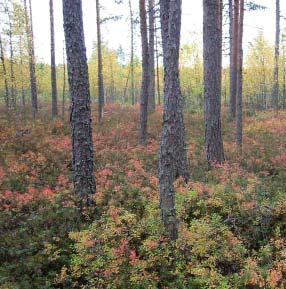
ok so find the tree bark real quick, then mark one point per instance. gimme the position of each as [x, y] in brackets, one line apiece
[234, 54]
[23, 94]
[157, 66]
[132, 54]
[275, 91]
[151, 93]
[4, 71]
[64, 84]
[12, 74]
[173, 161]
[100, 65]
[239, 102]
[145, 74]
[31, 51]
[284, 81]
[53, 64]
[82, 144]
[212, 80]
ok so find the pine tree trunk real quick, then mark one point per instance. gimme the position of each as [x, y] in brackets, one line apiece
[284, 81]
[100, 65]
[234, 54]
[212, 80]
[239, 102]
[53, 64]
[64, 84]
[132, 54]
[145, 74]
[23, 94]
[173, 161]
[12, 74]
[157, 67]
[31, 51]
[82, 144]
[151, 94]
[275, 91]
[4, 71]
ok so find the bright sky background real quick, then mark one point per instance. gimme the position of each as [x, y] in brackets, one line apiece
[117, 33]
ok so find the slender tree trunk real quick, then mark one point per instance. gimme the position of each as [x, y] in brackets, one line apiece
[239, 101]
[275, 91]
[233, 65]
[157, 66]
[112, 86]
[284, 81]
[212, 80]
[230, 9]
[82, 144]
[12, 74]
[31, 51]
[53, 64]
[132, 54]
[4, 71]
[100, 65]
[151, 91]
[145, 74]
[64, 83]
[126, 86]
[23, 95]
[173, 161]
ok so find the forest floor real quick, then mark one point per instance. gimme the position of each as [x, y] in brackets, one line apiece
[233, 218]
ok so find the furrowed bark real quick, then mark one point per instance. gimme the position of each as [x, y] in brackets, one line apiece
[173, 162]
[212, 80]
[82, 144]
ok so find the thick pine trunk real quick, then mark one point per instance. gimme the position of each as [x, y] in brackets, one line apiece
[53, 64]
[145, 74]
[31, 51]
[82, 144]
[275, 91]
[212, 80]
[100, 65]
[151, 94]
[173, 162]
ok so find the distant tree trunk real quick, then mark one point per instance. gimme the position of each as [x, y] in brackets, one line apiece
[212, 80]
[112, 84]
[31, 51]
[100, 65]
[239, 102]
[173, 161]
[132, 54]
[64, 84]
[230, 9]
[82, 144]
[157, 67]
[275, 91]
[53, 64]
[4, 71]
[234, 54]
[12, 74]
[151, 93]
[284, 81]
[145, 74]
[23, 95]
